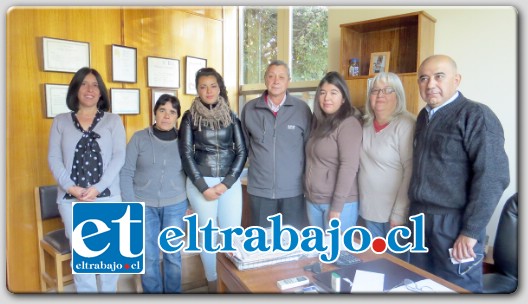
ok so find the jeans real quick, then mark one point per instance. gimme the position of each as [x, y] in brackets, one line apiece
[292, 210]
[441, 232]
[318, 215]
[225, 212]
[88, 283]
[156, 219]
[380, 230]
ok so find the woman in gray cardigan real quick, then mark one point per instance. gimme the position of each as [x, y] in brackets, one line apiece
[153, 174]
[332, 156]
[91, 136]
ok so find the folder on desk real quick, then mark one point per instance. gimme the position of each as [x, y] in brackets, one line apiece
[394, 274]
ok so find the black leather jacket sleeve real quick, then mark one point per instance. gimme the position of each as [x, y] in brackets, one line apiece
[186, 144]
[241, 153]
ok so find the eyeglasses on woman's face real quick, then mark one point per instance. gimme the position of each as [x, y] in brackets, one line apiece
[386, 91]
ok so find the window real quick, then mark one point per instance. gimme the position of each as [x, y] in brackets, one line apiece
[309, 56]
[296, 35]
[260, 42]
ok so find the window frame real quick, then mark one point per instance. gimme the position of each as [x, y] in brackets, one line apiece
[284, 52]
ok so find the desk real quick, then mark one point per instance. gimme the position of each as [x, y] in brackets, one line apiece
[264, 280]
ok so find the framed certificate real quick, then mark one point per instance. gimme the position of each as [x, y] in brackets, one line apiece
[124, 64]
[163, 72]
[156, 94]
[56, 99]
[192, 65]
[125, 101]
[68, 56]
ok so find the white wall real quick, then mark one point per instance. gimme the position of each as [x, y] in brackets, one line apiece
[483, 42]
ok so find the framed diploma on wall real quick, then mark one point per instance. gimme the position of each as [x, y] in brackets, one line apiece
[56, 99]
[124, 64]
[156, 94]
[163, 72]
[125, 101]
[60, 55]
[192, 65]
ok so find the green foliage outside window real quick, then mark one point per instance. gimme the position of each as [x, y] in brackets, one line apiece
[309, 58]
[310, 43]
[260, 42]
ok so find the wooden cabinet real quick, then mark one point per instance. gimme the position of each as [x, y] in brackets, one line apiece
[409, 38]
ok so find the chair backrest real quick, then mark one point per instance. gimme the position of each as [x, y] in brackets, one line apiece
[45, 206]
[48, 202]
[505, 248]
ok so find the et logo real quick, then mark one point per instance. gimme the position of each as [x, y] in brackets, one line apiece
[108, 237]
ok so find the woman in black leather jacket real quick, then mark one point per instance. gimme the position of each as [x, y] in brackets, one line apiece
[213, 154]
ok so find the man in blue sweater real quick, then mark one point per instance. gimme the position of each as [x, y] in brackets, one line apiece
[460, 170]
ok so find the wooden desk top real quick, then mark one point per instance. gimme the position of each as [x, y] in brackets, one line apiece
[264, 279]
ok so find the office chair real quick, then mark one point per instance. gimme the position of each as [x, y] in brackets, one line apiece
[505, 252]
[52, 244]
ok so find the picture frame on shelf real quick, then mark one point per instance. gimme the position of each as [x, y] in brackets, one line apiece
[61, 55]
[56, 99]
[163, 72]
[379, 62]
[124, 101]
[192, 65]
[156, 94]
[124, 64]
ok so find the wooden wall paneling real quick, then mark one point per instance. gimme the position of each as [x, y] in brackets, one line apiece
[426, 30]
[407, 49]
[351, 50]
[409, 38]
[380, 41]
[27, 129]
[358, 92]
[209, 12]
[172, 33]
[169, 33]
[412, 94]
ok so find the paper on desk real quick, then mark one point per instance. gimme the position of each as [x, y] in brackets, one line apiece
[425, 286]
[267, 255]
[368, 281]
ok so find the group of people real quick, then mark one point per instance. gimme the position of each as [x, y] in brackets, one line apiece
[382, 166]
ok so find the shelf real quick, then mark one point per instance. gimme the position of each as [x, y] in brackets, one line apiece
[372, 76]
[409, 38]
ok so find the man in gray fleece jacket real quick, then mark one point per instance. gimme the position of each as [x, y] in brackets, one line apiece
[276, 126]
[460, 170]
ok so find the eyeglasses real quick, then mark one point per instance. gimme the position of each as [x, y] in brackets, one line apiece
[479, 259]
[386, 91]
[412, 286]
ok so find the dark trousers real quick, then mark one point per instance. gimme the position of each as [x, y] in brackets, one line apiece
[441, 232]
[293, 210]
